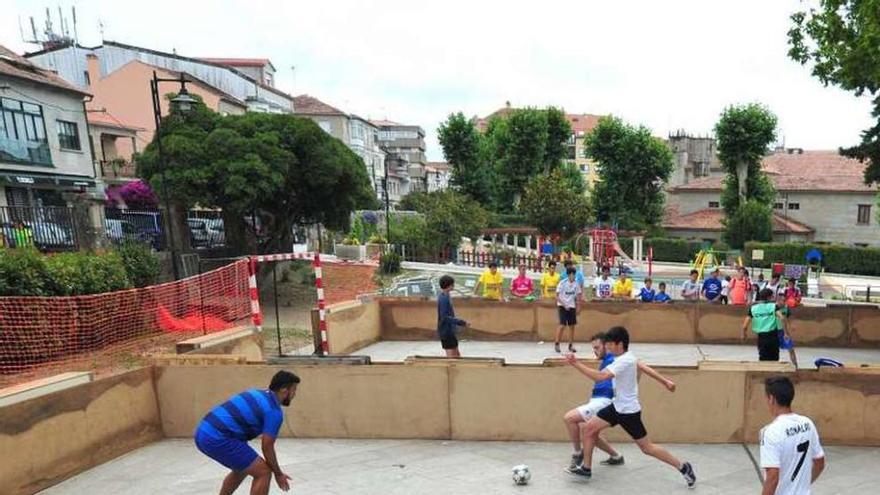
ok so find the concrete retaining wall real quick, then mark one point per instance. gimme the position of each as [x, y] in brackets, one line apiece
[357, 324]
[47, 439]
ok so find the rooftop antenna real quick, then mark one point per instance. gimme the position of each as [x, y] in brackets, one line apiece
[101, 29]
[75, 33]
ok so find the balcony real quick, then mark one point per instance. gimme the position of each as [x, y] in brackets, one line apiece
[25, 152]
[117, 169]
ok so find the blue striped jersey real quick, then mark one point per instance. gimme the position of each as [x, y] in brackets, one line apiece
[245, 416]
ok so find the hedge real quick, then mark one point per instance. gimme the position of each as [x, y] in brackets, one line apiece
[27, 272]
[836, 258]
[667, 249]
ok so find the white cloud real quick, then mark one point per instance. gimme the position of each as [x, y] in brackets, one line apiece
[667, 65]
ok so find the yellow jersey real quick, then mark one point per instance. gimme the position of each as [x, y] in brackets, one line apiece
[622, 288]
[492, 284]
[549, 281]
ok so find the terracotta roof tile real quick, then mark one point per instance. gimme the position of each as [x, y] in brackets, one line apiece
[808, 171]
[309, 105]
[710, 219]
[14, 65]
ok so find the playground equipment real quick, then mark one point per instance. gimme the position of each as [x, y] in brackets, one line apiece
[605, 248]
[712, 259]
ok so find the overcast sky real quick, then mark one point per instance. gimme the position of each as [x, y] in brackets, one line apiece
[669, 65]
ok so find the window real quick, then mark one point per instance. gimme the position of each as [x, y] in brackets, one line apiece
[714, 204]
[777, 206]
[864, 217]
[572, 154]
[794, 206]
[68, 135]
[357, 131]
[86, 78]
[23, 132]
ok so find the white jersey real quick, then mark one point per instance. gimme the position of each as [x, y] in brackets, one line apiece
[791, 443]
[603, 287]
[626, 383]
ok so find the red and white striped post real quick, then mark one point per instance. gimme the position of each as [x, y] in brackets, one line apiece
[256, 315]
[650, 260]
[322, 316]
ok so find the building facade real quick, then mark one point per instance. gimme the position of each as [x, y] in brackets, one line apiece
[821, 197]
[406, 143]
[695, 158]
[44, 136]
[356, 132]
[439, 175]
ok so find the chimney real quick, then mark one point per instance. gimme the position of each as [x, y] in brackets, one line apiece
[93, 68]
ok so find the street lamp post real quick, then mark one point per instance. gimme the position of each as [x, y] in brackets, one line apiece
[184, 102]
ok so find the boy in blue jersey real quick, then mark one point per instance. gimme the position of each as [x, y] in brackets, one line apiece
[224, 433]
[662, 296]
[447, 323]
[647, 293]
[603, 392]
[712, 287]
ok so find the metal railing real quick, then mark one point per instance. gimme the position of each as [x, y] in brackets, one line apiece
[117, 169]
[47, 228]
[143, 226]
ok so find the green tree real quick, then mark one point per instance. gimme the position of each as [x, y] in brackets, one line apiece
[281, 166]
[449, 216]
[634, 165]
[572, 178]
[840, 39]
[558, 134]
[462, 147]
[520, 146]
[743, 135]
[750, 222]
[553, 206]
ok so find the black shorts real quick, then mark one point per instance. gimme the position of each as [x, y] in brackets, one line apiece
[567, 316]
[768, 346]
[449, 341]
[631, 423]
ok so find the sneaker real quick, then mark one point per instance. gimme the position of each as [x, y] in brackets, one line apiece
[580, 471]
[613, 461]
[571, 348]
[556, 347]
[576, 460]
[688, 472]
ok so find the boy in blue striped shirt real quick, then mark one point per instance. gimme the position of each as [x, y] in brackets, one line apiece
[224, 433]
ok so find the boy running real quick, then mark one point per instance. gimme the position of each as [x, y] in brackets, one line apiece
[791, 454]
[447, 323]
[783, 326]
[603, 392]
[224, 433]
[625, 409]
[568, 298]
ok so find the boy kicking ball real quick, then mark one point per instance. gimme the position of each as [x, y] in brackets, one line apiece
[624, 409]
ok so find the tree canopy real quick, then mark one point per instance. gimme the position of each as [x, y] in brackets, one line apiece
[840, 40]
[471, 173]
[633, 166]
[281, 166]
[552, 205]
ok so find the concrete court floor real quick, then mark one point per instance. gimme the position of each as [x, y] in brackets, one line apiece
[412, 467]
[654, 354]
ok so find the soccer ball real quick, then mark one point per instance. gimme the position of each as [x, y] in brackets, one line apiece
[521, 474]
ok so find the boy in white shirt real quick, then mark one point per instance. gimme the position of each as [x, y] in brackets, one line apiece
[603, 285]
[625, 409]
[791, 455]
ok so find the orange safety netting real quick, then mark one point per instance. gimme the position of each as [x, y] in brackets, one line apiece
[36, 332]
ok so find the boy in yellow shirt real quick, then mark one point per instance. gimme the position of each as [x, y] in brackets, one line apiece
[549, 281]
[492, 282]
[623, 287]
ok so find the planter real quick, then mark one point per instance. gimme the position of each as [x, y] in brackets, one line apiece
[347, 252]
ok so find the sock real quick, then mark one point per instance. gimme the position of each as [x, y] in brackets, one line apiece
[683, 469]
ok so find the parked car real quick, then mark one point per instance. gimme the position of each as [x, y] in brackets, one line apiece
[216, 232]
[149, 224]
[123, 230]
[50, 235]
[198, 232]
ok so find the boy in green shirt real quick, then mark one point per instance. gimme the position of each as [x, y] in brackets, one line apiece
[762, 317]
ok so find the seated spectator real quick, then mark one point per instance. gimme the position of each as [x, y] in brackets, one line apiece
[690, 290]
[662, 296]
[522, 285]
[623, 287]
[646, 294]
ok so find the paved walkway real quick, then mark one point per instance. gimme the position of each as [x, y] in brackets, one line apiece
[655, 354]
[386, 467]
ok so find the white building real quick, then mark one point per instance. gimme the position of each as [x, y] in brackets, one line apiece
[437, 175]
[44, 137]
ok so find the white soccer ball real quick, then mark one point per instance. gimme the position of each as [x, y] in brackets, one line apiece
[521, 474]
